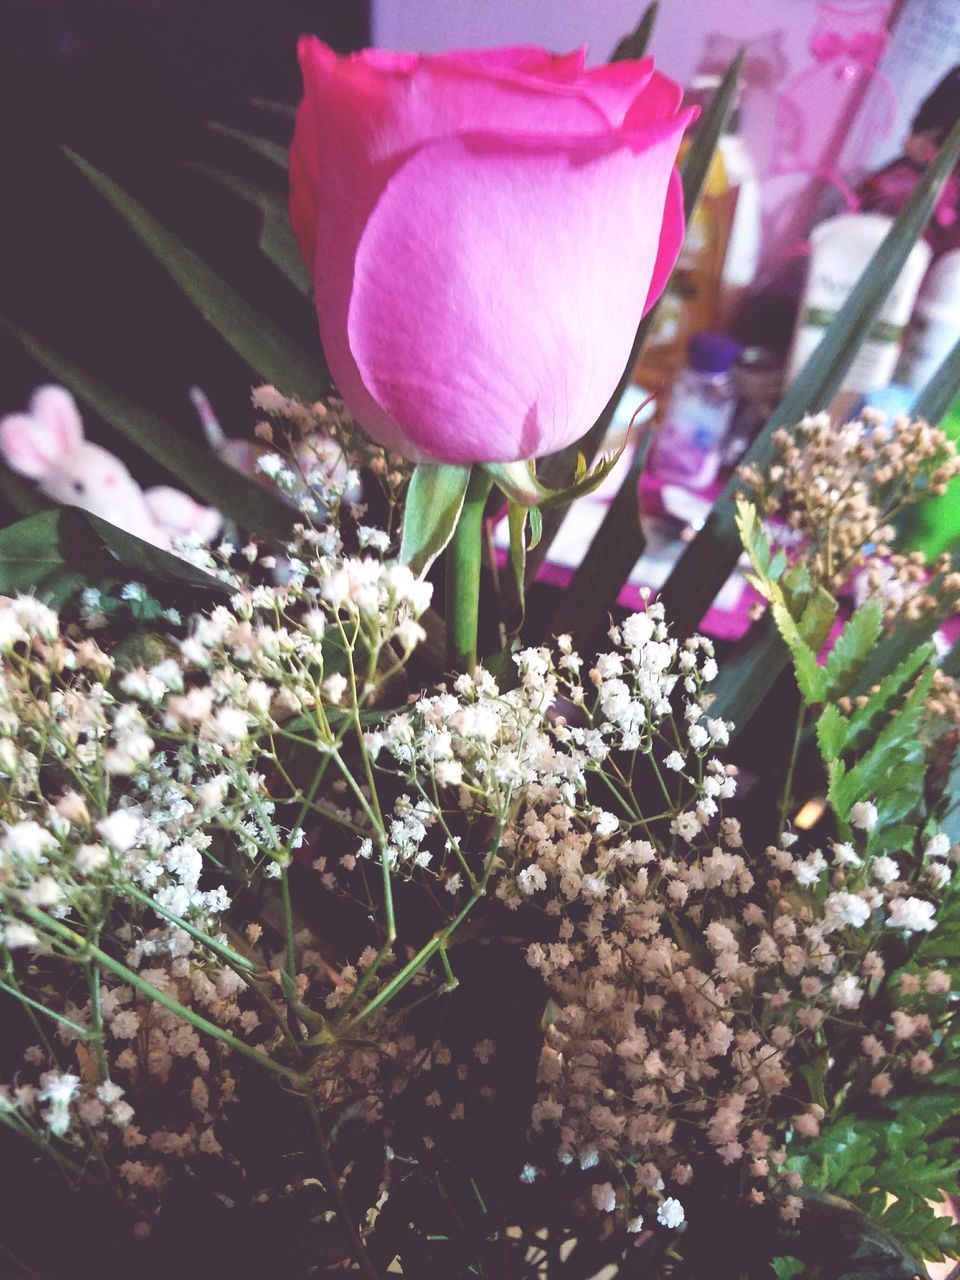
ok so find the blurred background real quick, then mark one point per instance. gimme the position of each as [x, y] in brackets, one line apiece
[131, 84]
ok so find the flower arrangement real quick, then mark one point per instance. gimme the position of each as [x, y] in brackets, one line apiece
[417, 953]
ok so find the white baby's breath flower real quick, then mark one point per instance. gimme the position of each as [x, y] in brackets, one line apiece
[864, 815]
[670, 1213]
[911, 914]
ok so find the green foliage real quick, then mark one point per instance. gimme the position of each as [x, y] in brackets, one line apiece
[266, 148]
[256, 339]
[941, 391]
[890, 1168]
[634, 45]
[277, 242]
[432, 508]
[55, 555]
[875, 753]
[787, 1268]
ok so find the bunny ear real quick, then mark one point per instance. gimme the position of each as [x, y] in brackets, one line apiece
[28, 445]
[56, 407]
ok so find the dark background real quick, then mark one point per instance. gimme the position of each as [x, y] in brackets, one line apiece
[130, 84]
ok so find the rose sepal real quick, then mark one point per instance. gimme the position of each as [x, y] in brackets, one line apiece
[519, 481]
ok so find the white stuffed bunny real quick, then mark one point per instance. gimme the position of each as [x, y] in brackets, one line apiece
[47, 444]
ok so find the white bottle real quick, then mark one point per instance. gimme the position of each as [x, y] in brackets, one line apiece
[840, 250]
[934, 328]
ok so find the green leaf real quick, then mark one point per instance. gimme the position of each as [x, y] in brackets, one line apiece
[893, 687]
[556, 468]
[431, 510]
[517, 521]
[237, 496]
[255, 338]
[852, 1245]
[853, 646]
[887, 766]
[634, 45]
[25, 499]
[264, 147]
[277, 241]
[941, 391]
[536, 527]
[831, 733]
[56, 554]
[788, 1268]
[285, 109]
[711, 557]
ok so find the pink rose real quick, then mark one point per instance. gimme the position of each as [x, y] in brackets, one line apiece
[485, 230]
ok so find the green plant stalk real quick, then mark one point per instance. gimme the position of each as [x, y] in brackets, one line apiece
[463, 575]
[227, 954]
[17, 994]
[437, 943]
[357, 1247]
[86, 949]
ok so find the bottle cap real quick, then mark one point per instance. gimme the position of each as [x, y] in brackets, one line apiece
[712, 352]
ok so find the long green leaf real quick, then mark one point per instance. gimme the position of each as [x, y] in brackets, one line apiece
[263, 147]
[942, 389]
[277, 241]
[255, 338]
[56, 554]
[634, 45]
[24, 498]
[431, 510]
[556, 470]
[285, 109]
[711, 557]
[199, 469]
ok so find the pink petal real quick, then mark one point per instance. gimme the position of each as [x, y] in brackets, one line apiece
[498, 287]
[671, 240]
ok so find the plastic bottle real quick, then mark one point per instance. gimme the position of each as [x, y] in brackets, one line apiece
[742, 258]
[757, 377]
[934, 327]
[691, 300]
[688, 446]
[840, 249]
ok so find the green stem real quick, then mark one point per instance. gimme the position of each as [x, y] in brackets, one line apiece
[786, 799]
[463, 575]
[83, 949]
[357, 1247]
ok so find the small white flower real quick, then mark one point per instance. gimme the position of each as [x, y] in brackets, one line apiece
[864, 815]
[938, 846]
[674, 762]
[603, 1196]
[607, 824]
[885, 870]
[121, 828]
[670, 1213]
[912, 914]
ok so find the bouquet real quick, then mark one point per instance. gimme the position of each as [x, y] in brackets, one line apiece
[356, 918]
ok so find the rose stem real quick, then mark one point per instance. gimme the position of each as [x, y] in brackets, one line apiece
[463, 575]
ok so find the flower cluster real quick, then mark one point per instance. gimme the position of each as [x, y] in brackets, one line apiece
[694, 989]
[838, 488]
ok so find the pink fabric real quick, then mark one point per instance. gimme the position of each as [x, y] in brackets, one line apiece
[485, 230]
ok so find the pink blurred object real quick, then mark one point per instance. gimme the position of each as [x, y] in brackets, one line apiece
[817, 107]
[47, 444]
